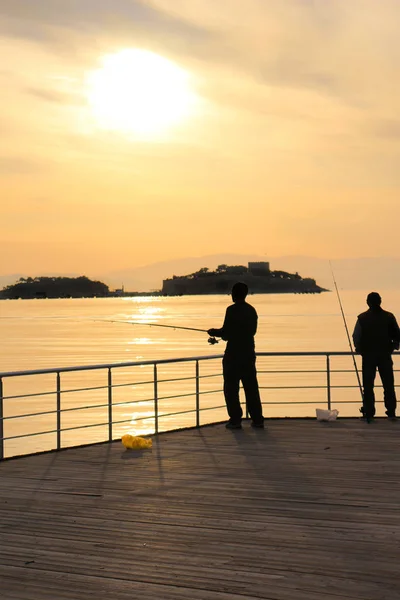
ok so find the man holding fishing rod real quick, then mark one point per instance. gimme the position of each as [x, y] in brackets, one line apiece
[239, 362]
[376, 335]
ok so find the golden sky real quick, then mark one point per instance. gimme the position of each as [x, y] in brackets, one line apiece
[291, 144]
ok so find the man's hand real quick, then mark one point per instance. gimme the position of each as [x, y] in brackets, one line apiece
[212, 332]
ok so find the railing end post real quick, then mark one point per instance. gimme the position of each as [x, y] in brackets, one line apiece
[155, 399]
[1, 421]
[110, 411]
[58, 410]
[197, 393]
[328, 380]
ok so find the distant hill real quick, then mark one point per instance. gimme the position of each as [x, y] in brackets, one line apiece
[368, 273]
[150, 277]
[361, 273]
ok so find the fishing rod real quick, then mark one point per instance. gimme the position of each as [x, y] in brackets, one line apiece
[348, 334]
[211, 340]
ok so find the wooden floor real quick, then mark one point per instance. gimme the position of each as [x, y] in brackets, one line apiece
[300, 511]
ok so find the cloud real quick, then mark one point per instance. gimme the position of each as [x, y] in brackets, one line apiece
[334, 48]
[56, 96]
[337, 48]
[60, 23]
[388, 129]
[14, 165]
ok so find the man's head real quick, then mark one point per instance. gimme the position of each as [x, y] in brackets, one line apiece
[239, 292]
[374, 300]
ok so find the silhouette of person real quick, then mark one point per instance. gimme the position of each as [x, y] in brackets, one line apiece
[376, 335]
[239, 362]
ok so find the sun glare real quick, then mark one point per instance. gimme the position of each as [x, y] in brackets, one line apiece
[140, 92]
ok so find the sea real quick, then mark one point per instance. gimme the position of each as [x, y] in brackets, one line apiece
[44, 334]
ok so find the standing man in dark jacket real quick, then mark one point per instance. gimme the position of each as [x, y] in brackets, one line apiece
[239, 362]
[375, 336]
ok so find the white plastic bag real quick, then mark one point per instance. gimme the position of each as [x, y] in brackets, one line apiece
[326, 415]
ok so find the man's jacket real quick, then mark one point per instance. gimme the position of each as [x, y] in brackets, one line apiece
[376, 332]
[239, 329]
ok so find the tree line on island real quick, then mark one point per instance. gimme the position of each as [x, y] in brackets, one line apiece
[237, 270]
[55, 287]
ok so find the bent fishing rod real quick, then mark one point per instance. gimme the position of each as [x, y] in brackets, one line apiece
[211, 340]
[347, 332]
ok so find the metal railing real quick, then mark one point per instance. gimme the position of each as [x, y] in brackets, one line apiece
[9, 420]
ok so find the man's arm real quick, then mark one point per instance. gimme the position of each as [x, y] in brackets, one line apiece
[395, 333]
[255, 322]
[224, 331]
[357, 337]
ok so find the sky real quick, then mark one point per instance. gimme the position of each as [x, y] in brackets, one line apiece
[291, 144]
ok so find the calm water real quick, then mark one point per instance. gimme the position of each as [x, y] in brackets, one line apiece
[58, 333]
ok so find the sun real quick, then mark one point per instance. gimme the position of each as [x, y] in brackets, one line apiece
[137, 91]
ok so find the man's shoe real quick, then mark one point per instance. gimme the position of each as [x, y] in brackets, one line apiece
[367, 418]
[391, 416]
[257, 424]
[233, 425]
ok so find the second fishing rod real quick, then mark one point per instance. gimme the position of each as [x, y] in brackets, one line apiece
[348, 335]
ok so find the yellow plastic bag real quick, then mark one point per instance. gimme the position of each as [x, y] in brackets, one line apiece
[134, 442]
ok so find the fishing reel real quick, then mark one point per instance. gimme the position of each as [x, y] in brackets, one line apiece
[212, 341]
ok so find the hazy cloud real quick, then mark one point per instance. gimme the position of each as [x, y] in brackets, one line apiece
[60, 22]
[56, 96]
[386, 128]
[12, 165]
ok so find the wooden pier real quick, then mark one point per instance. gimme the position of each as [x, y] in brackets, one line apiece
[300, 511]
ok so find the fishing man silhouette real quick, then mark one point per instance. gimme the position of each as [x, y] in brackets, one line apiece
[239, 362]
[376, 335]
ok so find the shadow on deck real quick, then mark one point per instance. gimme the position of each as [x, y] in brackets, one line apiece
[300, 511]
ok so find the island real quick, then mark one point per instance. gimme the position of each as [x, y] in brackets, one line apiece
[55, 287]
[257, 275]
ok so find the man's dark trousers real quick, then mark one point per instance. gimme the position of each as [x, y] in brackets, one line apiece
[236, 369]
[384, 363]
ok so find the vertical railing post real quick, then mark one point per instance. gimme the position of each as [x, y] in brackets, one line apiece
[328, 381]
[58, 410]
[197, 394]
[155, 399]
[1, 421]
[110, 411]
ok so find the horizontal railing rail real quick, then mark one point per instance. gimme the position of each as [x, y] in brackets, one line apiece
[159, 362]
[103, 396]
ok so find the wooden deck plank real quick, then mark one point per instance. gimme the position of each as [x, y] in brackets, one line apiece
[302, 510]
